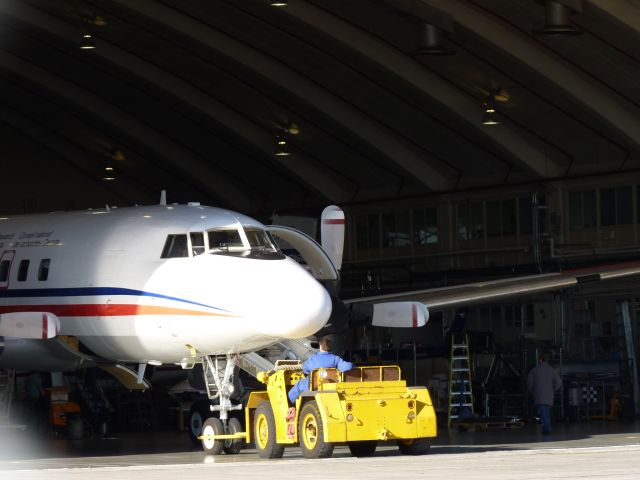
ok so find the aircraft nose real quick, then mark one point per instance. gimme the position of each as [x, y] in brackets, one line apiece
[298, 306]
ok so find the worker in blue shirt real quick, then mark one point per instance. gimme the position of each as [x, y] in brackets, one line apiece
[322, 359]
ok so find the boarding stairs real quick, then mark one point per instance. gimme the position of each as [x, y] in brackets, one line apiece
[460, 389]
[265, 359]
[260, 361]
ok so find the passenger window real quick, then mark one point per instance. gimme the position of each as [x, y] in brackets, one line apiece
[23, 270]
[225, 240]
[4, 270]
[197, 243]
[175, 246]
[43, 271]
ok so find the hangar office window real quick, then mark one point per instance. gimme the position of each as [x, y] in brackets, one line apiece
[501, 217]
[4, 270]
[175, 246]
[395, 229]
[367, 231]
[508, 214]
[23, 269]
[582, 209]
[493, 219]
[470, 221]
[43, 271]
[615, 206]
[525, 212]
[425, 226]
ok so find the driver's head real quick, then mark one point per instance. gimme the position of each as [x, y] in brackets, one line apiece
[325, 343]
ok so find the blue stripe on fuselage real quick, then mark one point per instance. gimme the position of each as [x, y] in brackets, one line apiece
[92, 291]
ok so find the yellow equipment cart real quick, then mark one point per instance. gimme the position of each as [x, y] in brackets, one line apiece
[361, 407]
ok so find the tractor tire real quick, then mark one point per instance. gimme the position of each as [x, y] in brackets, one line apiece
[414, 446]
[364, 448]
[311, 433]
[264, 432]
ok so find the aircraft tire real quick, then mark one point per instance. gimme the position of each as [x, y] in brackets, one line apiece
[212, 426]
[265, 432]
[233, 445]
[311, 434]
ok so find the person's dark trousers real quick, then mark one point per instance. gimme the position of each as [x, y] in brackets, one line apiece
[544, 412]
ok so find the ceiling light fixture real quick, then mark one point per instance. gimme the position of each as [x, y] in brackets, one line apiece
[99, 21]
[116, 155]
[557, 20]
[431, 41]
[292, 129]
[282, 149]
[490, 116]
[279, 3]
[109, 173]
[87, 42]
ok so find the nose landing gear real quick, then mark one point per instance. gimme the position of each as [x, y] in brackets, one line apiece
[219, 382]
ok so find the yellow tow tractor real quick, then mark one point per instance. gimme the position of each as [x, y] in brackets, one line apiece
[360, 407]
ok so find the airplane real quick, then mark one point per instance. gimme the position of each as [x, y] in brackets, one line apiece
[190, 285]
[155, 285]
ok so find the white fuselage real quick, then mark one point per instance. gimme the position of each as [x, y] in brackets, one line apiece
[110, 288]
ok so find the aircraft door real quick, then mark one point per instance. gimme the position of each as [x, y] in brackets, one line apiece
[5, 267]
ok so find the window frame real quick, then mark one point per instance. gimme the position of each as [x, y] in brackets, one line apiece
[43, 269]
[23, 270]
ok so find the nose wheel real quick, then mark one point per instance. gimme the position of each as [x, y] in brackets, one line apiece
[233, 446]
[212, 426]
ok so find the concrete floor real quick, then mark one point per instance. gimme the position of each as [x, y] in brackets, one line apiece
[574, 451]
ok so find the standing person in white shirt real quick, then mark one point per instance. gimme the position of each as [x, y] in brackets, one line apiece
[543, 381]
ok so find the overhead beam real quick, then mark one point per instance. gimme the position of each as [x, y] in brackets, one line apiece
[626, 13]
[69, 153]
[521, 48]
[307, 171]
[84, 145]
[211, 180]
[467, 109]
[431, 172]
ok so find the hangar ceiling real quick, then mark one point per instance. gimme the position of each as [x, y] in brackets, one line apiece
[191, 97]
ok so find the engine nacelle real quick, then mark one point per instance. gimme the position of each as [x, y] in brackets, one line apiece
[400, 314]
[33, 325]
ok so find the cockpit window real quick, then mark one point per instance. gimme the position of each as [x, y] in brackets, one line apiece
[175, 246]
[197, 243]
[259, 240]
[245, 242]
[225, 240]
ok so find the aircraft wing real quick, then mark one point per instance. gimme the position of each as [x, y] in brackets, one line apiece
[438, 299]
